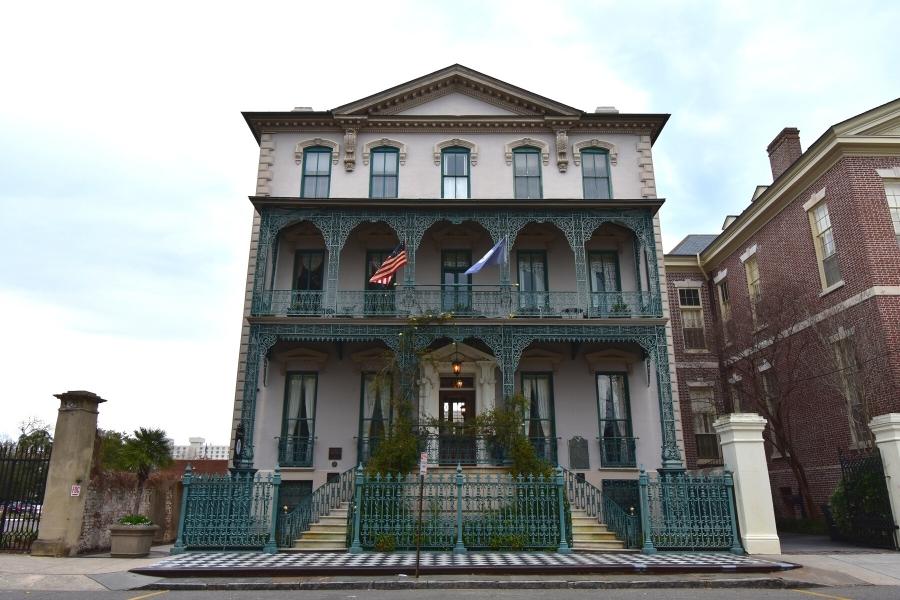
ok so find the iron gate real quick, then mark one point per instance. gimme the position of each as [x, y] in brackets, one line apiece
[861, 507]
[23, 475]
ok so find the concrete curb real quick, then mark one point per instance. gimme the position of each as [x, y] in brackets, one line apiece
[425, 584]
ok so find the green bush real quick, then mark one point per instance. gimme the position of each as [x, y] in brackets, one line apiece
[861, 495]
[385, 542]
[134, 520]
[507, 542]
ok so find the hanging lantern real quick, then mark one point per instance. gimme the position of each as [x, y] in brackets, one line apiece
[456, 365]
[458, 383]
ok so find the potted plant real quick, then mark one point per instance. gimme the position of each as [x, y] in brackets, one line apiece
[131, 536]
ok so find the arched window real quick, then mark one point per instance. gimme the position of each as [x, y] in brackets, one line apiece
[595, 174]
[384, 172]
[455, 172]
[527, 172]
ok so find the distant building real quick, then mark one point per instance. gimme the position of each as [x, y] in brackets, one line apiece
[812, 264]
[199, 449]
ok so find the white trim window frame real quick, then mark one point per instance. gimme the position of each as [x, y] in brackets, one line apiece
[703, 408]
[892, 193]
[823, 241]
[690, 307]
[754, 285]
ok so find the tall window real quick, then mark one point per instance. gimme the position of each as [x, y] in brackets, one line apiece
[379, 299]
[892, 191]
[616, 441]
[298, 423]
[595, 174]
[736, 392]
[375, 412]
[691, 318]
[455, 173]
[384, 167]
[527, 172]
[306, 291]
[539, 426]
[826, 250]
[751, 267]
[456, 286]
[848, 372]
[703, 407]
[316, 172]
[724, 306]
[532, 279]
[605, 282]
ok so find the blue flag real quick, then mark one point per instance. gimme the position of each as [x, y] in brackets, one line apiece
[494, 256]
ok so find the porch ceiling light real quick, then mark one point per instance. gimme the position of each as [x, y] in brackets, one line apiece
[456, 365]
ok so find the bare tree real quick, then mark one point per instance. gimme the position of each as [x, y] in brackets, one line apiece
[766, 364]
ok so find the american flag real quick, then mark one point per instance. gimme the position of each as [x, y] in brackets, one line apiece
[391, 265]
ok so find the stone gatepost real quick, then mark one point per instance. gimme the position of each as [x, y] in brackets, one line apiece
[70, 465]
[886, 429]
[744, 454]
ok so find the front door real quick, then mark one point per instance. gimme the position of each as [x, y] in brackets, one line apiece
[456, 444]
[456, 286]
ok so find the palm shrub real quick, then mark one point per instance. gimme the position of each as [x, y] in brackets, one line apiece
[143, 453]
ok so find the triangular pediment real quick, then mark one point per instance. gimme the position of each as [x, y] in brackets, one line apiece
[883, 120]
[456, 91]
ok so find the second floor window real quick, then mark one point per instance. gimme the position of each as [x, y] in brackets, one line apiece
[384, 173]
[826, 250]
[306, 290]
[754, 287]
[724, 306]
[455, 173]
[691, 318]
[595, 174]
[848, 370]
[527, 173]
[316, 172]
[892, 191]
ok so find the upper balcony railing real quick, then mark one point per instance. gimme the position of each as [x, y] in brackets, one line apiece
[464, 301]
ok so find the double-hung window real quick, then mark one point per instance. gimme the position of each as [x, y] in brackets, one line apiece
[847, 365]
[532, 281]
[375, 412]
[616, 441]
[306, 292]
[384, 167]
[527, 173]
[754, 286]
[826, 250]
[595, 174]
[892, 191]
[316, 172]
[539, 422]
[298, 422]
[456, 286]
[691, 318]
[605, 284]
[703, 408]
[724, 306]
[455, 173]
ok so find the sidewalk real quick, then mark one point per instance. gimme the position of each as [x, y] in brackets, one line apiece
[22, 572]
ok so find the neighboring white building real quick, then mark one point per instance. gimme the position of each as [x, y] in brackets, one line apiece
[198, 449]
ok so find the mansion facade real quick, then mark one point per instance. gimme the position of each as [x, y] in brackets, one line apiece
[444, 168]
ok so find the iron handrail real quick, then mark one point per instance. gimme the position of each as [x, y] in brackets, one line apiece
[292, 523]
[589, 498]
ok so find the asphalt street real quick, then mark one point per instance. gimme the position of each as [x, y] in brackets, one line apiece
[848, 593]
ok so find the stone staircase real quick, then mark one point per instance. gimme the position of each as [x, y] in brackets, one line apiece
[588, 535]
[328, 535]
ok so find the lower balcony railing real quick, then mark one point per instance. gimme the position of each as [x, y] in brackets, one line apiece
[295, 451]
[463, 449]
[461, 300]
[618, 452]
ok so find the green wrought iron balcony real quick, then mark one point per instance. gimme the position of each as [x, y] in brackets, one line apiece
[488, 301]
[295, 451]
[618, 452]
[449, 448]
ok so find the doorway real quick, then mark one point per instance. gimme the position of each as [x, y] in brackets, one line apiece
[456, 416]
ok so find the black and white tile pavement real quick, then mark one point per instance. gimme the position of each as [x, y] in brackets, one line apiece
[324, 563]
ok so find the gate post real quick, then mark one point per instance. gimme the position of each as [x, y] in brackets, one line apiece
[561, 500]
[271, 546]
[646, 522]
[70, 465]
[745, 456]
[460, 547]
[886, 429]
[356, 545]
[178, 548]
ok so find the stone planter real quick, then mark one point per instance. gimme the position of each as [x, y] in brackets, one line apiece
[131, 541]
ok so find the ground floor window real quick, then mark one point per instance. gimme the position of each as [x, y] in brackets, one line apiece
[703, 407]
[613, 407]
[298, 423]
[374, 413]
[539, 420]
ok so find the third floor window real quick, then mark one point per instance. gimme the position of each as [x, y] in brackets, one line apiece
[595, 174]
[527, 173]
[691, 318]
[384, 173]
[455, 173]
[316, 172]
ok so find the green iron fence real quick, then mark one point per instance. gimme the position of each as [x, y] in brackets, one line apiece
[684, 511]
[293, 522]
[459, 512]
[230, 512]
[584, 496]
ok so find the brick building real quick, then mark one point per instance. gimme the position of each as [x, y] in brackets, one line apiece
[793, 310]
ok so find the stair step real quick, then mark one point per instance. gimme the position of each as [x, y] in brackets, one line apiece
[332, 520]
[608, 536]
[590, 528]
[319, 545]
[598, 545]
[326, 527]
[316, 536]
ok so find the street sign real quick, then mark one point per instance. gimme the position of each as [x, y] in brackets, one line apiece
[423, 463]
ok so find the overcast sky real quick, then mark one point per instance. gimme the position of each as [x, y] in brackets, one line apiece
[125, 164]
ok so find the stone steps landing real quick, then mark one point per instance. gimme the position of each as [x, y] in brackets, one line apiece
[589, 535]
[328, 535]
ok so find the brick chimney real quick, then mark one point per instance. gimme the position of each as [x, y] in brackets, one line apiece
[784, 150]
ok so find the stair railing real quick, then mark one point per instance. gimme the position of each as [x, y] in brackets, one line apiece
[292, 523]
[587, 497]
